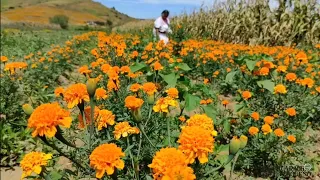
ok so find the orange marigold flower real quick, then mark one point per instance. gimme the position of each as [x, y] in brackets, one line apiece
[225, 102]
[165, 160]
[101, 94]
[4, 59]
[124, 129]
[266, 128]
[282, 68]
[105, 68]
[246, 95]
[94, 64]
[292, 138]
[104, 119]
[280, 89]
[149, 88]
[205, 81]
[135, 87]
[113, 74]
[12, 66]
[255, 116]
[182, 118]
[208, 101]
[279, 132]
[125, 69]
[157, 66]
[173, 92]
[59, 91]
[196, 142]
[307, 82]
[291, 111]
[253, 130]
[179, 172]
[318, 89]
[33, 162]
[87, 115]
[275, 115]
[84, 70]
[105, 158]
[228, 69]
[133, 103]
[203, 102]
[268, 120]
[76, 94]
[162, 105]
[264, 71]
[201, 120]
[46, 117]
[215, 74]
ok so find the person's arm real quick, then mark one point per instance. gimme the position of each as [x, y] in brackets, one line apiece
[157, 25]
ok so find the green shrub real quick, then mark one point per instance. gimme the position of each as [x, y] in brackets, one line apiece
[62, 20]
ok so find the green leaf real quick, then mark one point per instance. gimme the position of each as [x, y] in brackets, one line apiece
[148, 177]
[266, 84]
[184, 66]
[211, 112]
[137, 66]
[238, 107]
[250, 64]
[230, 76]
[192, 102]
[170, 79]
[226, 126]
[54, 175]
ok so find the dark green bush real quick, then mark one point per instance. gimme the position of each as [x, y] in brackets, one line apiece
[62, 20]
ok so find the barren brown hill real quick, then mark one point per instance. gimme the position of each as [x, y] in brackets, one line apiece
[79, 11]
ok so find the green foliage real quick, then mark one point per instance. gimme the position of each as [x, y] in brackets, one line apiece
[61, 20]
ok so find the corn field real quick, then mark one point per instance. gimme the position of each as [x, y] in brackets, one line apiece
[256, 22]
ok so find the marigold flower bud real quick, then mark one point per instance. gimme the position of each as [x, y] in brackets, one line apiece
[243, 141]
[91, 87]
[28, 109]
[234, 145]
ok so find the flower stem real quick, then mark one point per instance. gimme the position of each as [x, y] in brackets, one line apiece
[92, 120]
[234, 163]
[144, 133]
[168, 129]
[131, 157]
[149, 116]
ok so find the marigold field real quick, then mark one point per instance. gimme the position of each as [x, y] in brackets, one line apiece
[120, 106]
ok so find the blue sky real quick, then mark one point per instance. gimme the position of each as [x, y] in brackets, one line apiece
[152, 8]
[147, 9]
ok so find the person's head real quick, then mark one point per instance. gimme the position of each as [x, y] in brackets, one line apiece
[165, 14]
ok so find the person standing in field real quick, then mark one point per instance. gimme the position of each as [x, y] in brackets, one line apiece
[162, 27]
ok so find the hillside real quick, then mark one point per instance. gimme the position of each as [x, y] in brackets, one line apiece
[79, 11]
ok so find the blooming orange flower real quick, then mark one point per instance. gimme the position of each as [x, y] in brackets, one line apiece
[105, 158]
[46, 117]
[162, 105]
[318, 89]
[279, 132]
[101, 94]
[280, 89]
[179, 172]
[282, 68]
[165, 160]
[255, 116]
[291, 111]
[196, 142]
[216, 73]
[246, 95]
[125, 69]
[182, 118]
[33, 162]
[228, 69]
[76, 94]
[205, 81]
[253, 130]
[4, 59]
[12, 66]
[203, 102]
[292, 138]
[268, 119]
[157, 66]
[201, 120]
[307, 82]
[225, 102]
[264, 71]
[105, 68]
[59, 91]
[113, 85]
[104, 119]
[135, 87]
[133, 103]
[87, 115]
[266, 128]
[124, 129]
[149, 88]
[173, 92]
[84, 70]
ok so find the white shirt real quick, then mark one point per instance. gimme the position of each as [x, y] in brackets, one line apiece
[162, 25]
